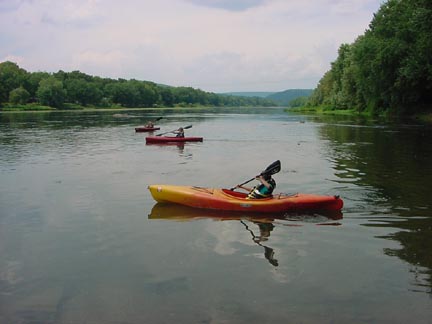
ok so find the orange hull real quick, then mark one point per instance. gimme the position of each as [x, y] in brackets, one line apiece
[224, 199]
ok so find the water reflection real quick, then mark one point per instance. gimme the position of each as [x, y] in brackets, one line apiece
[264, 229]
[179, 146]
[265, 223]
[415, 240]
[390, 168]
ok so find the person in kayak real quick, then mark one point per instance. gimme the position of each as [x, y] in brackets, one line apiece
[149, 124]
[179, 132]
[262, 190]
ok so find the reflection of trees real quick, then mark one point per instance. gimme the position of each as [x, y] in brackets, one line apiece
[397, 162]
[395, 165]
[416, 241]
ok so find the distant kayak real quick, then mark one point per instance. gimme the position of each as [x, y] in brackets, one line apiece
[229, 200]
[172, 139]
[146, 129]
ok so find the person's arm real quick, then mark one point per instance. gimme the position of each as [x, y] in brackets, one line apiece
[264, 182]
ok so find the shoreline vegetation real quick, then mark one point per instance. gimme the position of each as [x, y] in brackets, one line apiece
[23, 90]
[387, 71]
[66, 108]
[423, 117]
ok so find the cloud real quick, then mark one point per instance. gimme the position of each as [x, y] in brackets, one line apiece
[220, 46]
[229, 5]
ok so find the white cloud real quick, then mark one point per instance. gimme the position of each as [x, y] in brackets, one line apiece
[215, 45]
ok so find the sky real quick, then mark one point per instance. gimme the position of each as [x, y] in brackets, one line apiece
[213, 45]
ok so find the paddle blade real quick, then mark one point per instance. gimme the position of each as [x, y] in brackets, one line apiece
[187, 127]
[273, 168]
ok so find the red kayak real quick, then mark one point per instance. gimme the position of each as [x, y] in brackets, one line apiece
[172, 139]
[141, 129]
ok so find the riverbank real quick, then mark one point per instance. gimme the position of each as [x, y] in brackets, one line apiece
[420, 117]
[118, 109]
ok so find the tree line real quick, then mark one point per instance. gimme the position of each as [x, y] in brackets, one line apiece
[65, 89]
[388, 68]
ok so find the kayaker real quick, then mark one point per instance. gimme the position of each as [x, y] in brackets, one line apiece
[179, 132]
[263, 190]
[149, 124]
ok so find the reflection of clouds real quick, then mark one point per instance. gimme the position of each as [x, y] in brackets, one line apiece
[9, 273]
[227, 234]
[280, 276]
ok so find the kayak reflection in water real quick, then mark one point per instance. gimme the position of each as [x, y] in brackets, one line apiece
[265, 229]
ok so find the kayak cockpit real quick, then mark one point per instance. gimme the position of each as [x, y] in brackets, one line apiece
[241, 195]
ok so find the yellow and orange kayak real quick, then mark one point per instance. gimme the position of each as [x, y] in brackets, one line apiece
[225, 199]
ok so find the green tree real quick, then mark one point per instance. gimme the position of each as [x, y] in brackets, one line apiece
[51, 92]
[11, 77]
[389, 68]
[166, 96]
[19, 96]
[31, 83]
[298, 102]
[82, 92]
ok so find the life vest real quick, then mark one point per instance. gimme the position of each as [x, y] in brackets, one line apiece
[261, 191]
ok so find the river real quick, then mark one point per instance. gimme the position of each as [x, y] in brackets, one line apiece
[82, 240]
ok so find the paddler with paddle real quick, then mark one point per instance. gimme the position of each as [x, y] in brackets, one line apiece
[267, 184]
[179, 132]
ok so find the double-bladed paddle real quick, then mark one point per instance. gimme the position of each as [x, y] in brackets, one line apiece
[273, 168]
[186, 127]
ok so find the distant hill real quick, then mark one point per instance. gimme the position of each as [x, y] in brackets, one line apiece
[284, 97]
[248, 94]
[281, 98]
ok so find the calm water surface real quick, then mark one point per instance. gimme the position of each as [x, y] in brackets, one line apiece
[82, 241]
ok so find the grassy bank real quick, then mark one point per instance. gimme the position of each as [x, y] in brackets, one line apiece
[425, 118]
[329, 111]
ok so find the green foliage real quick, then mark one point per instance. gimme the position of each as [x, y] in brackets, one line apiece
[76, 89]
[51, 92]
[298, 102]
[11, 77]
[389, 68]
[19, 96]
[82, 92]
[31, 83]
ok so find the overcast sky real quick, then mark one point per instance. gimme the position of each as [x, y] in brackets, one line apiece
[213, 45]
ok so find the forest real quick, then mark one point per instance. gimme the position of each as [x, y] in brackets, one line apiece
[75, 89]
[386, 70]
